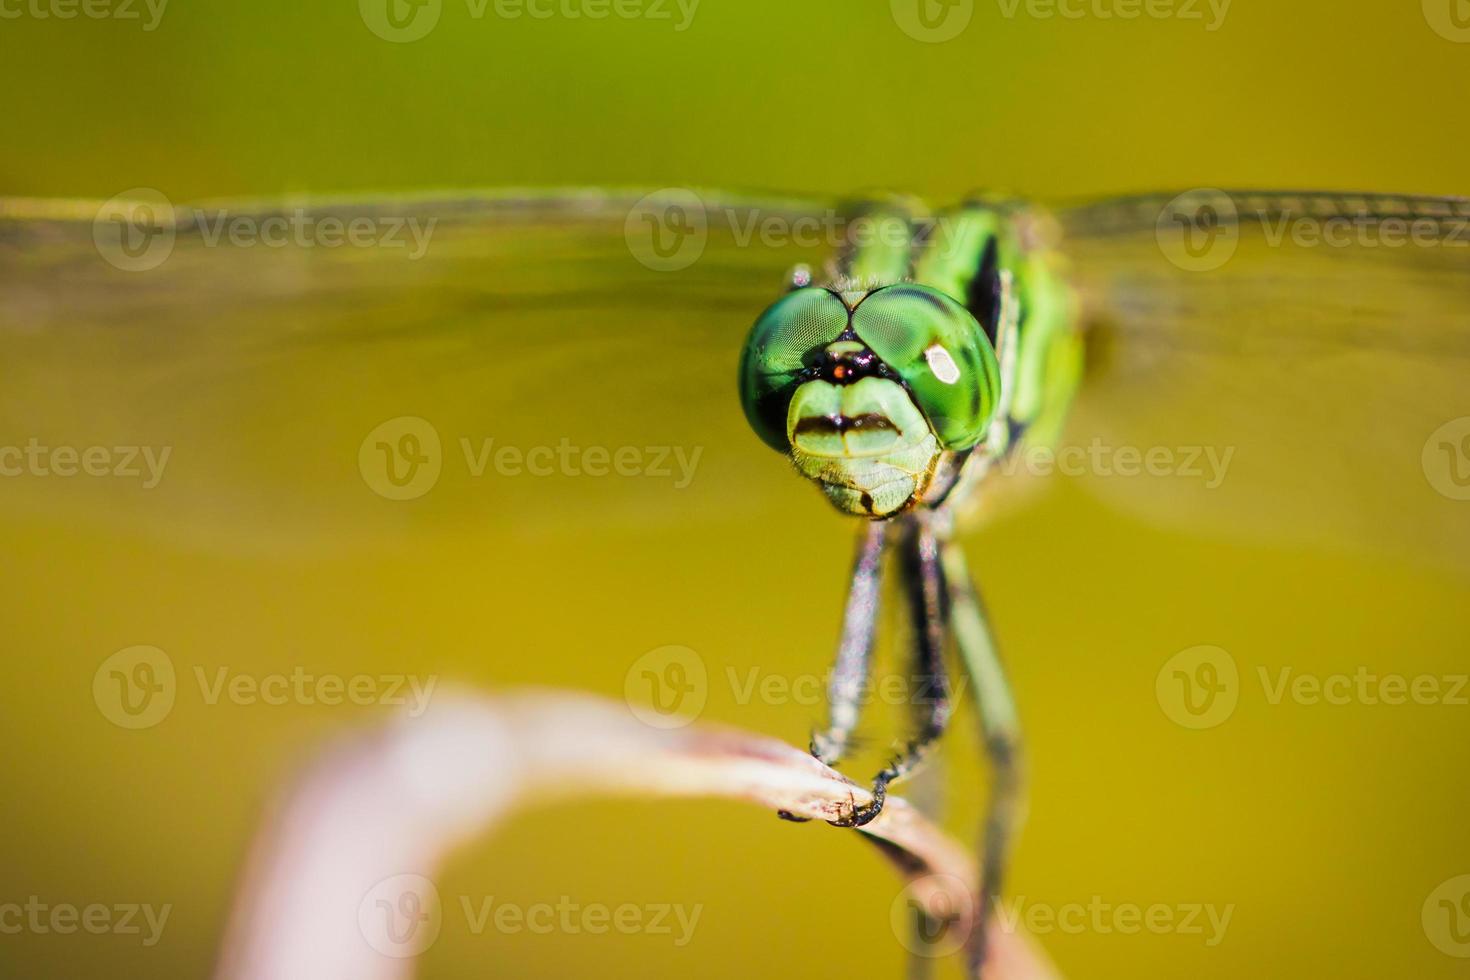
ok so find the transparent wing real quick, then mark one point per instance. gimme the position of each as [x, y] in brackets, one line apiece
[1296, 364]
[571, 354]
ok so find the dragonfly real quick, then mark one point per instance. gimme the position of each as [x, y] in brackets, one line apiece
[926, 368]
[937, 345]
[934, 345]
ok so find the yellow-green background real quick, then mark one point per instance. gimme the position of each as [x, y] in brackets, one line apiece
[273, 97]
[1326, 827]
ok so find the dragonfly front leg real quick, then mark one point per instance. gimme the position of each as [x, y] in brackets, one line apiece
[846, 688]
[1002, 735]
[923, 583]
[849, 679]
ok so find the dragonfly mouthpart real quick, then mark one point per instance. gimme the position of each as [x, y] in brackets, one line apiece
[865, 442]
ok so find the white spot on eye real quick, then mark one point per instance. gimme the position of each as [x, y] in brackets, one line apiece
[942, 364]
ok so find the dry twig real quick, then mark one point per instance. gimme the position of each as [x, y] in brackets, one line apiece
[382, 809]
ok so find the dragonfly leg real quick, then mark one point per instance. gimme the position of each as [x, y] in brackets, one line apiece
[923, 578]
[1002, 737]
[849, 678]
[929, 701]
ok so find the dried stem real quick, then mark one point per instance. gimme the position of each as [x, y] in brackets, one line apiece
[390, 805]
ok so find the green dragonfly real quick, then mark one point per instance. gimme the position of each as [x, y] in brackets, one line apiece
[924, 368]
[937, 345]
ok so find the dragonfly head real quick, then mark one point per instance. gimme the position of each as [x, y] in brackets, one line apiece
[868, 391]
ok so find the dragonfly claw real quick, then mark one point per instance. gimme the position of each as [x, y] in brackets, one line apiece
[857, 816]
[862, 815]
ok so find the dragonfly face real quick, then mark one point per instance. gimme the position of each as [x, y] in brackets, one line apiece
[870, 392]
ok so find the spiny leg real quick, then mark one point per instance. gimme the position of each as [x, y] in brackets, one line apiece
[930, 706]
[923, 582]
[1002, 735]
[854, 653]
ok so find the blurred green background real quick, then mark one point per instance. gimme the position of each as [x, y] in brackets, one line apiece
[272, 98]
[1324, 828]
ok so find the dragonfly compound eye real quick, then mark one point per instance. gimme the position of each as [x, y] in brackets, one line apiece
[941, 353]
[790, 336]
